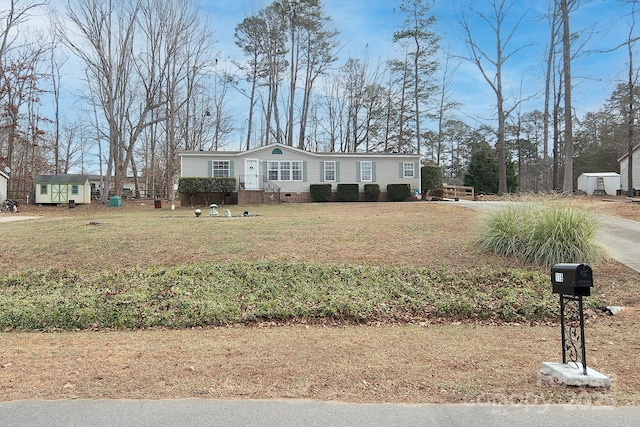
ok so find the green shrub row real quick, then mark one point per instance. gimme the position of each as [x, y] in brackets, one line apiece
[351, 192]
[543, 234]
[243, 292]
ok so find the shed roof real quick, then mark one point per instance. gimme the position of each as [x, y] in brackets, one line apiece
[61, 179]
[601, 174]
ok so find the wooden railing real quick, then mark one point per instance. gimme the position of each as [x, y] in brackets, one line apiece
[458, 192]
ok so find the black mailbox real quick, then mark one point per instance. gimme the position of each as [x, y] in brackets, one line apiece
[572, 279]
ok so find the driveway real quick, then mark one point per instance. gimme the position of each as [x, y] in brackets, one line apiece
[620, 236]
[13, 217]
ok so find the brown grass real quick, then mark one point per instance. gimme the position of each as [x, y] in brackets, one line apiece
[385, 363]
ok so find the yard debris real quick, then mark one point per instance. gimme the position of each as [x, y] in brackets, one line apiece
[613, 310]
[94, 223]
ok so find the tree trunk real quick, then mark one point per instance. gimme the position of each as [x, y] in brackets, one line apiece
[567, 187]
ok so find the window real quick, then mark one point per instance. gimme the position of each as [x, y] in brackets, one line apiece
[74, 189]
[220, 168]
[366, 171]
[330, 171]
[296, 171]
[408, 170]
[43, 188]
[285, 171]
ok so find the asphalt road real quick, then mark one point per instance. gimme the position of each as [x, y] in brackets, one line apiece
[296, 413]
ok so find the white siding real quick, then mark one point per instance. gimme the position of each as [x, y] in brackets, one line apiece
[3, 187]
[624, 167]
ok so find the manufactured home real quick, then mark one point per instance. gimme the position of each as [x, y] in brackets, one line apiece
[284, 172]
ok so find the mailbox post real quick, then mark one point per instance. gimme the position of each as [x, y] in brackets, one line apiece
[572, 282]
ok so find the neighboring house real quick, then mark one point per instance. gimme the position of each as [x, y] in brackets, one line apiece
[128, 187]
[599, 183]
[4, 178]
[624, 167]
[62, 189]
[289, 171]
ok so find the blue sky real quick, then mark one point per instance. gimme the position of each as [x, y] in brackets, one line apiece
[367, 26]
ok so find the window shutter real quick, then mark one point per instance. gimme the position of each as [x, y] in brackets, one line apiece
[373, 171]
[265, 171]
[337, 171]
[401, 170]
[210, 168]
[416, 170]
[358, 174]
[321, 171]
[231, 168]
[304, 171]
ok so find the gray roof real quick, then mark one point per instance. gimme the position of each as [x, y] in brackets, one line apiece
[61, 179]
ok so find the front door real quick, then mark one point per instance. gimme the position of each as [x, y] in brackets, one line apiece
[251, 174]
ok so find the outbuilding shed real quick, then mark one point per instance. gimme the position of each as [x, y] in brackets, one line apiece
[624, 169]
[63, 189]
[4, 178]
[599, 183]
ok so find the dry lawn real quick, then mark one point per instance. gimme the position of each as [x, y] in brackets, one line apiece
[376, 363]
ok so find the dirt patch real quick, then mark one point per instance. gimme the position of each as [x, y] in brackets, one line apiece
[409, 364]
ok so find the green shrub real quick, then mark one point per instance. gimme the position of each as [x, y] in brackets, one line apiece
[398, 192]
[432, 178]
[348, 192]
[192, 186]
[320, 192]
[544, 234]
[371, 192]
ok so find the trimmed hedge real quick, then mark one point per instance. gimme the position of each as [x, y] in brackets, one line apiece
[398, 192]
[320, 192]
[371, 192]
[192, 186]
[348, 192]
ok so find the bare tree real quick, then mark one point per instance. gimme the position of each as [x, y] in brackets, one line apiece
[445, 104]
[548, 184]
[319, 44]
[21, 75]
[631, 95]
[481, 58]
[104, 42]
[421, 42]
[248, 37]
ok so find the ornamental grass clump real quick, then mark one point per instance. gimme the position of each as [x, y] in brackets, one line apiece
[543, 234]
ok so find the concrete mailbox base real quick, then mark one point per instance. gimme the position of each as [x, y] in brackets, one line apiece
[571, 374]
